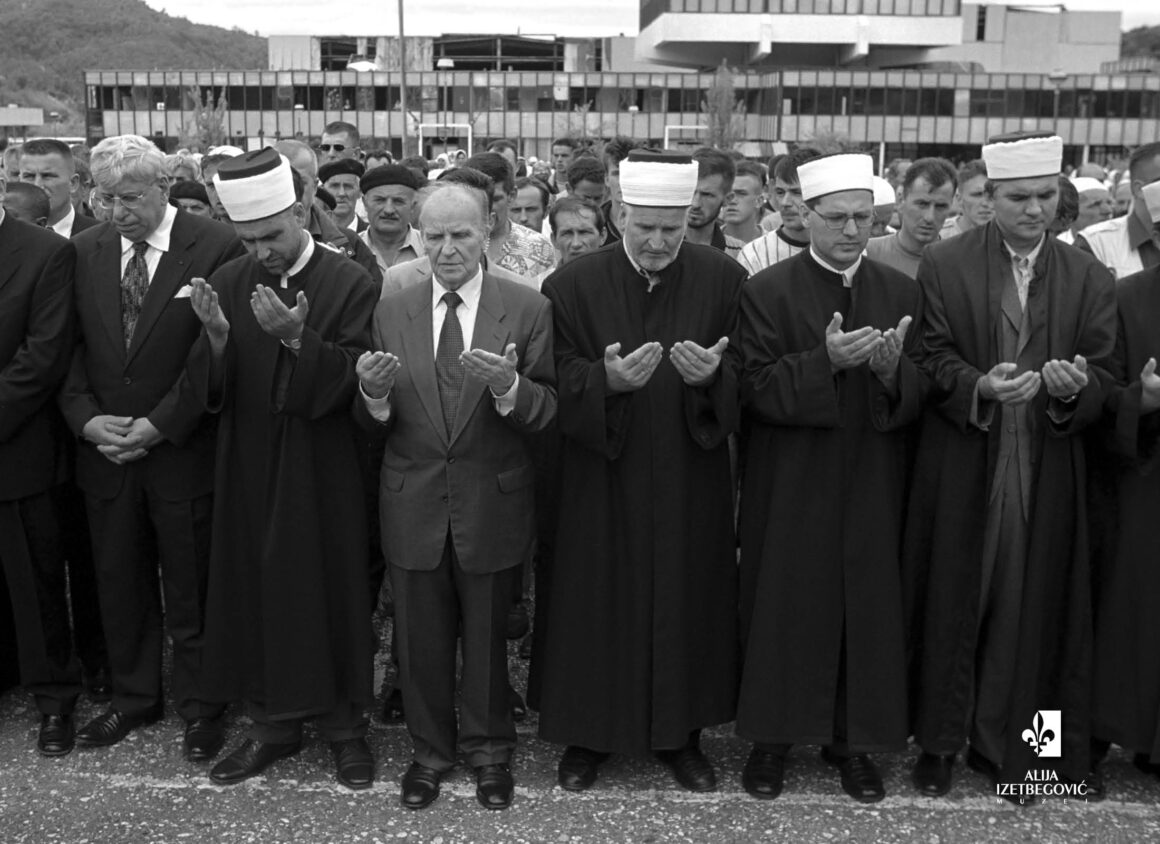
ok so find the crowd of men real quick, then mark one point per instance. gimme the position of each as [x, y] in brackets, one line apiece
[757, 465]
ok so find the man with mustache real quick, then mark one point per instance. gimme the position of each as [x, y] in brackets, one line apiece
[927, 190]
[389, 195]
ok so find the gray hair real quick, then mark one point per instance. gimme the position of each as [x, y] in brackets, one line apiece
[182, 158]
[127, 157]
[481, 199]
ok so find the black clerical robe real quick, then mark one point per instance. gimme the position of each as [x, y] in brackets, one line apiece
[1126, 704]
[287, 625]
[821, 509]
[1070, 310]
[640, 646]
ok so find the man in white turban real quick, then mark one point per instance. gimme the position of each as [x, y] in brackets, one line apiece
[637, 648]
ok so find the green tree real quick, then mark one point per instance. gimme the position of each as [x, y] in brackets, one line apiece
[724, 111]
[207, 127]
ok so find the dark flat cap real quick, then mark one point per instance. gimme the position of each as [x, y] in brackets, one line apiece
[340, 167]
[188, 190]
[390, 174]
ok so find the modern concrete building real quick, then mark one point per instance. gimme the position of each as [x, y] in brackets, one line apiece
[903, 77]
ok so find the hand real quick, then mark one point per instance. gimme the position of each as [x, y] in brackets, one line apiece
[120, 457]
[998, 385]
[696, 365]
[1150, 384]
[625, 374]
[147, 435]
[205, 304]
[848, 349]
[1063, 378]
[275, 318]
[498, 372]
[884, 360]
[111, 431]
[376, 372]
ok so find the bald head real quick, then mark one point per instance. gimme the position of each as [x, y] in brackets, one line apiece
[26, 202]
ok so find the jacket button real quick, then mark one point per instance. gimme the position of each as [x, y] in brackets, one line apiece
[450, 459]
[444, 497]
[127, 380]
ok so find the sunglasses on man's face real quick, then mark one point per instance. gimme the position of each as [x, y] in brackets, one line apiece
[329, 147]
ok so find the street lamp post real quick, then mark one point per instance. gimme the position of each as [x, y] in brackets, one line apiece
[445, 66]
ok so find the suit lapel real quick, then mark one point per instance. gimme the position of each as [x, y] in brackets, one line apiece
[418, 355]
[488, 335]
[107, 286]
[10, 246]
[166, 281]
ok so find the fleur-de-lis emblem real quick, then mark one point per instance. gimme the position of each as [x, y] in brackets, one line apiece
[1039, 737]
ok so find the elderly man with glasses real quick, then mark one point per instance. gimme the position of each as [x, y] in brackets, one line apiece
[145, 463]
[830, 387]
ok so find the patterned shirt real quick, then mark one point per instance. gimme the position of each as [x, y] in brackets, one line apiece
[526, 252]
[766, 251]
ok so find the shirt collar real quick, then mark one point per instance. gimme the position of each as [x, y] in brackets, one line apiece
[469, 291]
[846, 274]
[1, 213]
[304, 258]
[64, 225]
[1031, 256]
[159, 237]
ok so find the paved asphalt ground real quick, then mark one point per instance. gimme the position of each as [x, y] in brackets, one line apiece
[142, 790]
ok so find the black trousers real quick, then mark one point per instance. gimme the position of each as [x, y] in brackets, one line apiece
[32, 559]
[430, 607]
[88, 633]
[144, 546]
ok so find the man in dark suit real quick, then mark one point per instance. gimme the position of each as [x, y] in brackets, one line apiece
[36, 325]
[48, 164]
[146, 463]
[457, 502]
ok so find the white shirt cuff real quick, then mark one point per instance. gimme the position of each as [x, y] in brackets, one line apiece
[506, 403]
[379, 409]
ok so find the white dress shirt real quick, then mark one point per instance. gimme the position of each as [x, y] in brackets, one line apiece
[158, 241]
[64, 225]
[470, 292]
[846, 274]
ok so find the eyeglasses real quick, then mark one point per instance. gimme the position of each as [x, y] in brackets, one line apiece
[329, 147]
[132, 201]
[838, 222]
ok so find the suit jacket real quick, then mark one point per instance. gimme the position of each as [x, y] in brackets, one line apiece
[410, 273]
[82, 223]
[149, 378]
[36, 330]
[480, 480]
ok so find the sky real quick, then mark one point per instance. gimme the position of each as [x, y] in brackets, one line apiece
[575, 18]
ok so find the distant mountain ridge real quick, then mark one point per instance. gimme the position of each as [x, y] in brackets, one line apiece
[46, 45]
[1141, 41]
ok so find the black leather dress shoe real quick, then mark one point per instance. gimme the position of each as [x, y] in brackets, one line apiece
[578, 768]
[56, 735]
[204, 738]
[393, 712]
[1143, 763]
[250, 759]
[354, 763]
[420, 786]
[113, 725]
[860, 777]
[494, 786]
[978, 762]
[99, 685]
[932, 774]
[690, 767]
[764, 774]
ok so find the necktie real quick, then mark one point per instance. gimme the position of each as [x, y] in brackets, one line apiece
[134, 284]
[449, 370]
[1023, 274]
